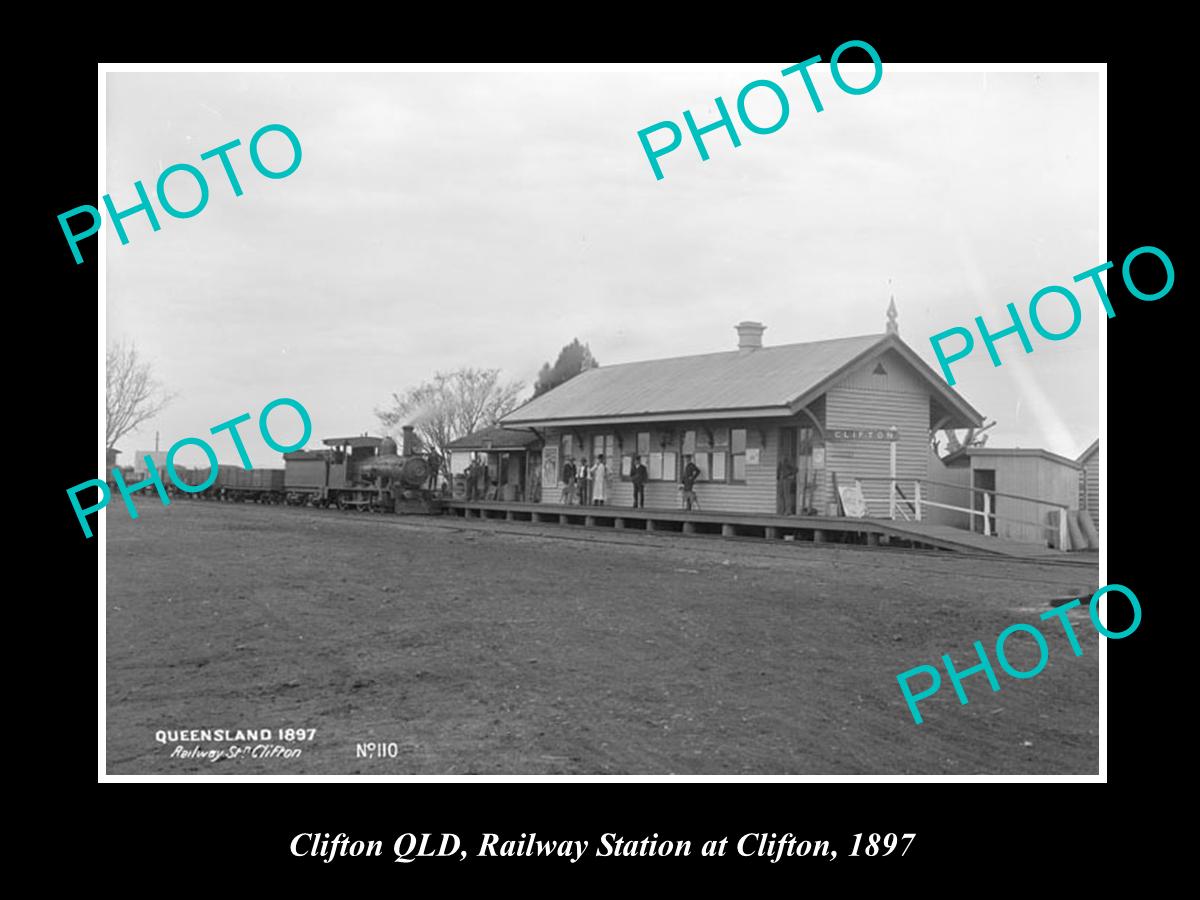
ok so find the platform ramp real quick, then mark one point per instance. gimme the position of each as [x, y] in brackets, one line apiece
[948, 537]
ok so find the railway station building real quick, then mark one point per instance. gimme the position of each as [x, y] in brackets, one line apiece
[832, 412]
[511, 459]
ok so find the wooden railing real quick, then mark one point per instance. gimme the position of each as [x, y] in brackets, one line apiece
[912, 508]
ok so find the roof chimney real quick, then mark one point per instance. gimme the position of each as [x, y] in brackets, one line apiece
[750, 335]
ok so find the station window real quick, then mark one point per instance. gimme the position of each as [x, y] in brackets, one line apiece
[606, 444]
[737, 452]
[711, 451]
[660, 465]
[641, 447]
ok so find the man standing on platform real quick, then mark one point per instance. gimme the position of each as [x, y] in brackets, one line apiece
[786, 476]
[639, 477]
[471, 474]
[568, 480]
[481, 472]
[690, 473]
[583, 480]
[435, 469]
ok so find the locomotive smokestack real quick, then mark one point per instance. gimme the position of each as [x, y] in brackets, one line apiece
[410, 441]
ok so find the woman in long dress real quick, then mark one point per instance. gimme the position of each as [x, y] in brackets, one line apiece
[599, 473]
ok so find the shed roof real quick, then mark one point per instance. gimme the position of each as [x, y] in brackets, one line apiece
[494, 438]
[768, 381]
[967, 452]
[1083, 457]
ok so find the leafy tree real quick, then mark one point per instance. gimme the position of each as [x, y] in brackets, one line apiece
[452, 405]
[132, 395]
[572, 359]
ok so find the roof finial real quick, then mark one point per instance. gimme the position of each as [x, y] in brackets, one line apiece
[892, 327]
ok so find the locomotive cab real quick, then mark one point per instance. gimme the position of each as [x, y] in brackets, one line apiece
[346, 458]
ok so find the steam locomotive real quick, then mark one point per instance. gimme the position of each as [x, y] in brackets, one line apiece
[364, 473]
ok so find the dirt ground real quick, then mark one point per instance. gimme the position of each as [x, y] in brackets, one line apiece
[501, 648]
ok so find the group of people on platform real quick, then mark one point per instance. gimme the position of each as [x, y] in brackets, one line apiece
[586, 485]
[479, 487]
[589, 485]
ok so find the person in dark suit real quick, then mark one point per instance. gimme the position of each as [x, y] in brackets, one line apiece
[483, 488]
[583, 481]
[785, 475]
[690, 473]
[471, 474]
[568, 480]
[639, 476]
[435, 469]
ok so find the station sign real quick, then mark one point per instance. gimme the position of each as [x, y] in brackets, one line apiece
[886, 435]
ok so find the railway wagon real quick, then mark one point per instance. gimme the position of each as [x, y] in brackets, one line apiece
[232, 483]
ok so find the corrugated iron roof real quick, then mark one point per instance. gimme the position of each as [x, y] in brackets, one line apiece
[1010, 451]
[494, 439]
[751, 379]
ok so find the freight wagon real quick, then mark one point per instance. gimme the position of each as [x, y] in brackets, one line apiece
[232, 483]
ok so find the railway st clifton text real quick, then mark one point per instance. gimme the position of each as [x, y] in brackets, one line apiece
[155, 476]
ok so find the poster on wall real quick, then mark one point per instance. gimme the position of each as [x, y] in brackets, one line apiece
[550, 465]
[752, 456]
[853, 501]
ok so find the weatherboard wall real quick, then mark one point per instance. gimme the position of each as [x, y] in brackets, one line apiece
[869, 398]
[757, 494]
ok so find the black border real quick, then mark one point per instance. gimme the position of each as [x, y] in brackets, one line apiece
[1143, 529]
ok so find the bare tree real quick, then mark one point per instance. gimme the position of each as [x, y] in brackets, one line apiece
[132, 394]
[452, 405]
[975, 437]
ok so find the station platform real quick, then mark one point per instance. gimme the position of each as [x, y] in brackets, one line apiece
[815, 529]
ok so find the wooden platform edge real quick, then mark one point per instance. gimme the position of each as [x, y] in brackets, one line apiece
[816, 529]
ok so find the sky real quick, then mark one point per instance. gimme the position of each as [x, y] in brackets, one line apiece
[442, 220]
